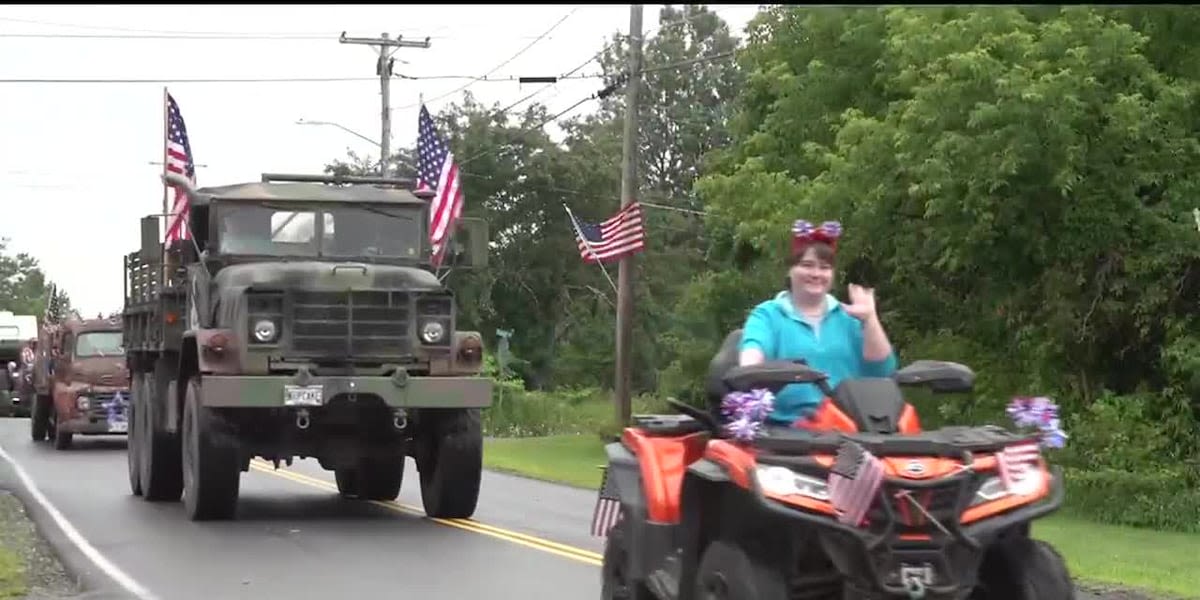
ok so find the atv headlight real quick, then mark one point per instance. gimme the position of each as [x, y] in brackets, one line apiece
[781, 481]
[994, 488]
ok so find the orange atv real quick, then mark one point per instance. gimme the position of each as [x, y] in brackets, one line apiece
[691, 514]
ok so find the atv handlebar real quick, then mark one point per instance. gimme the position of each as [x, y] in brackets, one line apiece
[775, 375]
[939, 376]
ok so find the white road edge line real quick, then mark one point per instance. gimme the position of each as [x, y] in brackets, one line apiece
[77, 538]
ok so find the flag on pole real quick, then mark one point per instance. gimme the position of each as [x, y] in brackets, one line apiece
[854, 482]
[178, 160]
[1015, 462]
[437, 172]
[612, 239]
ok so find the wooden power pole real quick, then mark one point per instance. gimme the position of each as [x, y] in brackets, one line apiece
[629, 190]
[383, 68]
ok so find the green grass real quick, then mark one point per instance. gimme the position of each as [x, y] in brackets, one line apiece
[1159, 562]
[12, 575]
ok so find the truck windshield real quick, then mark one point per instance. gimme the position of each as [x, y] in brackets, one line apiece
[355, 230]
[99, 343]
[372, 231]
[268, 231]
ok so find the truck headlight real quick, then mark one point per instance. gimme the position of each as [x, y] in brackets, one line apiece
[265, 331]
[432, 332]
[83, 402]
[781, 481]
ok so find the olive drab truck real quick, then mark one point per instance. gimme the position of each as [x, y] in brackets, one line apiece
[80, 381]
[15, 333]
[303, 319]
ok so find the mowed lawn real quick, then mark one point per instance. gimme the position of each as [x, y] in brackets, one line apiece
[1162, 562]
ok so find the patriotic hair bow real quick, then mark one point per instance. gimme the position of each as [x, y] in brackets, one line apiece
[746, 412]
[804, 232]
[1041, 413]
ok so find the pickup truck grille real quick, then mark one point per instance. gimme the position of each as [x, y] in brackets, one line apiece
[358, 324]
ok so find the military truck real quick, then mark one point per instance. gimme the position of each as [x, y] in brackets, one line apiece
[15, 332]
[303, 319]
[80, 380]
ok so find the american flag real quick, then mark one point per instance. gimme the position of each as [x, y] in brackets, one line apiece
[437, 171]
[1014, 462]
[608, 508]
[854, 482]
[178, 160]
[615, 237]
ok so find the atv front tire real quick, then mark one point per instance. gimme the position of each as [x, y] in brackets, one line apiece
[614, 573]
[449, 457]
[1021, 568]
[727, 573]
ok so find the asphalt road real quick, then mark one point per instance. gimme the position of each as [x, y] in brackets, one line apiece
[294, 537]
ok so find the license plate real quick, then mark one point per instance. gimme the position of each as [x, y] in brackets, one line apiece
[303, 395]
[118, 426]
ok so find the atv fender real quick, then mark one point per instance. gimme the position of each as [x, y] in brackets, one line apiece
[644, 541]
[700, 517]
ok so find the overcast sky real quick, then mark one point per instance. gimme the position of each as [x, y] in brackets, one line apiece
[75, 172]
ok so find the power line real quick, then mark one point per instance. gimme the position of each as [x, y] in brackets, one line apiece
[504, 79]
[264, 37]
[571, 73]
[497, 67]
[195, 80]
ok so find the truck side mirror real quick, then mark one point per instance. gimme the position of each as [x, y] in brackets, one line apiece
[470, 243]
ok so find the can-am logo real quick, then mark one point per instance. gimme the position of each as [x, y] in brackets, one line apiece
[915, 467]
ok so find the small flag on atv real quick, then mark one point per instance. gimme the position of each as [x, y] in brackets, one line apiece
[854, 482]
[1015, 462]
[608, 508]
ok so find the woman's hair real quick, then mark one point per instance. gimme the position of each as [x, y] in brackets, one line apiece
[824, 253]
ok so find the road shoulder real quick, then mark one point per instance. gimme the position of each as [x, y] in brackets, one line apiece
[85, 577]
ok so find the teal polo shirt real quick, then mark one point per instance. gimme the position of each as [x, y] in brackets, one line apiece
[832, 345]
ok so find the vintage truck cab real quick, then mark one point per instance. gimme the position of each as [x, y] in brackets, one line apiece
[84, 381]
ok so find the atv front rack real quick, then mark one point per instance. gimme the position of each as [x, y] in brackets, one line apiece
[947, 442]
[886, 546]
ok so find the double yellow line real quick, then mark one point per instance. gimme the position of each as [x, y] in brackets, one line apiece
[536, 543]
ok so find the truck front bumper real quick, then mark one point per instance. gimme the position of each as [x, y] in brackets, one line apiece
[283, 391]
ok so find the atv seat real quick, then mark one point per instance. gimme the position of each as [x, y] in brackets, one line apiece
[874, 403]
[725, 359]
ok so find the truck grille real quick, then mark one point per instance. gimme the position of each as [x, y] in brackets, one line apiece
[360, 323]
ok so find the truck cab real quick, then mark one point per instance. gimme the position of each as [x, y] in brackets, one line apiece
[15, 331]
[303, 318]
[86, 381]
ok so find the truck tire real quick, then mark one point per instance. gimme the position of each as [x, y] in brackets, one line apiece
[212, 468]
[131, 454]
[158, 458]
[39, 418]
[62, 439]
[376, 478]
[450, 462]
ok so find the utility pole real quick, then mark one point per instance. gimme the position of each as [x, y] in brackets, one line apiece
[383, 68]
[629, 189]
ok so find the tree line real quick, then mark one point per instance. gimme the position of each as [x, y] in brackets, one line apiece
[24, 287]
[1016, 183]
